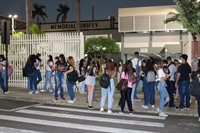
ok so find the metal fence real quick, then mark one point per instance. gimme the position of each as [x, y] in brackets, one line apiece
[69, 44]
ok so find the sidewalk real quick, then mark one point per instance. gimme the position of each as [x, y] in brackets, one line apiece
[22, 95]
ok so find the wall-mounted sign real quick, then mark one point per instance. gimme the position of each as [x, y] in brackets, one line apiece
[143, 50]
[73, 26]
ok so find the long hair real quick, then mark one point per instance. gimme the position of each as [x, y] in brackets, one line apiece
[38, 57]
[71, 61]
[50, 58]
[128, 70]
[2, 57]
[110, 68]
[149, 66]
[62, 57]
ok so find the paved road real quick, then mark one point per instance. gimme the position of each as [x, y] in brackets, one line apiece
[27, 117]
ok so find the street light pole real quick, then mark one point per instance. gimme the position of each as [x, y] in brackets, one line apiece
[13, 23]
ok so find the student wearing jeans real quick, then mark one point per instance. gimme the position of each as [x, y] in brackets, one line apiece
[70, 86]
[48, 74]
[110, 90]
[164, 97]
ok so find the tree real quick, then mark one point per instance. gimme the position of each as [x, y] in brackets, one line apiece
[97, 47]
[34, 29]
[39, 12]
[78, 16]
[188, 14]
[63, 10]
[28, 15]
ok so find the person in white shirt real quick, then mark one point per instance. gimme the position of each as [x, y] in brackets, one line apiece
[164, 97]
[38, 73]
[48, 74]
[137, 66]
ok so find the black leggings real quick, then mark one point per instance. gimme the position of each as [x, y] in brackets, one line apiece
[126, 96]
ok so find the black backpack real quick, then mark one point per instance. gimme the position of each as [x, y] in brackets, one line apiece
[104, 80]
[194, 87]
[72, 77]
[29, 68]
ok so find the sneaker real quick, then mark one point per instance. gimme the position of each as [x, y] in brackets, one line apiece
[7, 92]
[187, 108]
[50, 90]
[109, 111]
[30, 92]
[152, 106]
[37, 92]
[158, 110]
[90, 107]
[137, 99]
[95, 101]
[42, 90]
[144, 106]
[177, 108]
[121, 112]
[70, 101]
[163, 115]
[102, 109]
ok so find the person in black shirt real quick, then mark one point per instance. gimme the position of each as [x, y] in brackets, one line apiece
[60, 67]
[182, 82]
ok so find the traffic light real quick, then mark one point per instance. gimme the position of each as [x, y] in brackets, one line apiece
[5, 32]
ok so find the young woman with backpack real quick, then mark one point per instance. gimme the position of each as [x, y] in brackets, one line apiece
[70, 68]
[126, 94]
[110, 70]
[149, 84]
[3, 73]
[90, 81]
[48, 74]
[60, 68]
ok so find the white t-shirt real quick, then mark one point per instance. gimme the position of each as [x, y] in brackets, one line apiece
[48, 66]
[135, 61]
[161, 74]
[38, 63]
[4, 64]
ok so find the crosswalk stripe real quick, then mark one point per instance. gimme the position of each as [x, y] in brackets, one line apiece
[70, 125]
[98, 112]
[91, 118]
[14, 130]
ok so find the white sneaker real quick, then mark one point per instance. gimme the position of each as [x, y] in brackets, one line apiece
[58, 92]
[102, 109]
[7, 92]
[51, 91]
[37, 92]
[42, 90]
[70, 101]
[121, 113]
[109, 111]
[158, 110]
[30, 92]
[144, 106]
[152, 106]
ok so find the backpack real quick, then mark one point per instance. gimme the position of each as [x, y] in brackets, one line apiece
[194, 86]
[10, 70]
[29, 67]
[72, 77]
[104, 80]
[137, 69]
[151, 76]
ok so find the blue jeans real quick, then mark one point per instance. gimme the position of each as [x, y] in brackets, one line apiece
[184, 92]
[3, 74]
[82, 88]
[2, 84]
[198, 101]
[135, 91]
[32, 83]
[38, 76]
[59, 82]
[108, 91]
[141, 83]
[163, 94]
[48, 79]
[149, 92]
[70, 90]
[132, 93]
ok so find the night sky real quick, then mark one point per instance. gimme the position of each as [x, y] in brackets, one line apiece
[103, 8]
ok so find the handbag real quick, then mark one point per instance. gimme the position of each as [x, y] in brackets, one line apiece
[81, 78]
[134, 79]
[122, 85]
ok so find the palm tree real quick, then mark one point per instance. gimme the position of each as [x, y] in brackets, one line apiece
[28, 15]
[63, 10]
[39, 12]
[78, 15]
